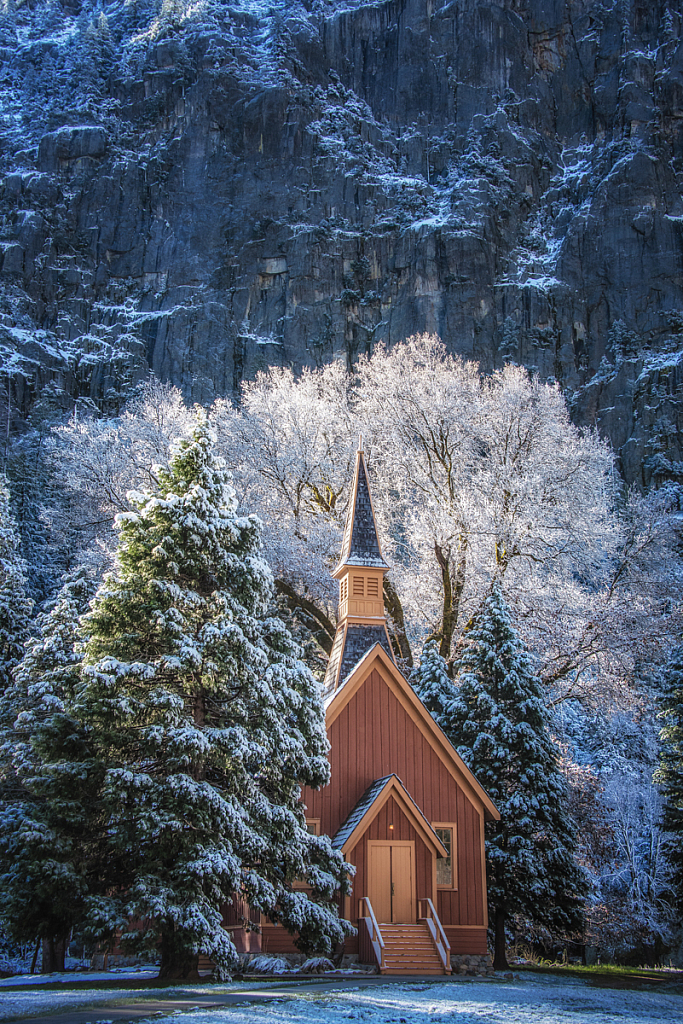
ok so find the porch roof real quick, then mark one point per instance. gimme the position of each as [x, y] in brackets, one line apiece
[369, 805]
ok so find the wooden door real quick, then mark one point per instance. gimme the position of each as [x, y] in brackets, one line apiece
[392, 881]
[402, 906]
[380, 881]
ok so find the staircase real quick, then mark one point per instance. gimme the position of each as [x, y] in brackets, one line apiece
[420, 948]
[409, 949]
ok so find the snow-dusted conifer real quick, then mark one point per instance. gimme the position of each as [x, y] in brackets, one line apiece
[46, 808]
[499, 726]
[15, 606]
[432, 683]
[670, 772]
[209, 723]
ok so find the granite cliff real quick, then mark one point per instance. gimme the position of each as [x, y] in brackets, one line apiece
[205, 189]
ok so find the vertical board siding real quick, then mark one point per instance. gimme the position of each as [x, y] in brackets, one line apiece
[466, 940]
[373, 736]
[366, 954]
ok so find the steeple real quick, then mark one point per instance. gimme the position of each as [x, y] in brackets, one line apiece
[360, 545]
[361, 622]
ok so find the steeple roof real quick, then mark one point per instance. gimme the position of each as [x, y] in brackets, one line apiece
[361, 568]
[361, 543]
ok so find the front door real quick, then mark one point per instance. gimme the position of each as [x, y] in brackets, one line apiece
[391, 878]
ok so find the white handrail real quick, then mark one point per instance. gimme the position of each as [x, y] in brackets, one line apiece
[443, 946]
[442, 933]
[374, 920]
[375, 935]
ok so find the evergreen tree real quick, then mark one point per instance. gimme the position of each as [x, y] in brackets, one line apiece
[433, 685]
[208, 724]
[498, 723]
[44, 758]
[670, 772]
[15, 606]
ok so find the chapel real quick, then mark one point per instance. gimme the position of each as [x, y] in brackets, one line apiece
[401, 805]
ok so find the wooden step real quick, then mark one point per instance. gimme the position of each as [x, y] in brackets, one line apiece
[409, 949]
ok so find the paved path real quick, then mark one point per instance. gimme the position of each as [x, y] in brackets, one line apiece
[136, 1009]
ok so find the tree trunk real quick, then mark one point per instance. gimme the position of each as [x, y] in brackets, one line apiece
[500, 962]
[176, 960]
[443, 557]
[393, 606]
[53, 955]
[453, 582]
[35, 957]
[313, 618]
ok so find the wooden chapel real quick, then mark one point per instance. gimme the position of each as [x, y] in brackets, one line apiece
[401, 805]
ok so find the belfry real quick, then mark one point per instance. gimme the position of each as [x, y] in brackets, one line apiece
[361, 622]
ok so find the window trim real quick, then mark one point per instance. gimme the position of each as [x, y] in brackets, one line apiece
[454, 858]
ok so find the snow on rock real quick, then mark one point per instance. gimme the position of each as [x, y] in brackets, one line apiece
[267, 965]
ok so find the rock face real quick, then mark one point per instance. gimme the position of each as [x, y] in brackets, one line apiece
[216, 188]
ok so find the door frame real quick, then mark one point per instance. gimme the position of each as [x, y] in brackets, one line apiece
[413, 866]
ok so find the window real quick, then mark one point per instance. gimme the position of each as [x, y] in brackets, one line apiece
[446, 874]
[344, 589]
[373, 588]
[358, 590]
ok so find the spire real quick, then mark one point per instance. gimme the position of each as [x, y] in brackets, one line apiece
[360, 572]
[360, 545]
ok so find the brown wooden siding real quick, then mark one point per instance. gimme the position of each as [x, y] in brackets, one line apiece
[465, 941]
[373, 736]
[276, 939]
[363, 945]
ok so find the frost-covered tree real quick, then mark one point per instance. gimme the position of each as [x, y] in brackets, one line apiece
[47, 806]
[291, 449]
[631, 913]
[473, 479]
[670, 772]
[432, 684]
[483, 479]
[101, 461]
[15, 606]
[498, 723]
[209, 725]
[609, 755]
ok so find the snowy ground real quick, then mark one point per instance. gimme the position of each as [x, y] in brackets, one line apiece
[531, 1000]
[115, 974]
[25, 1002]
[540, 1000]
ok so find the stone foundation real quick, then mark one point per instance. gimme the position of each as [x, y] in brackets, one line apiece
[479, 966]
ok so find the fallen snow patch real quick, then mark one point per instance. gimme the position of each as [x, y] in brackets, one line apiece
[531, 1001]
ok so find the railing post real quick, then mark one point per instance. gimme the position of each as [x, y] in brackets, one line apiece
[442, 944]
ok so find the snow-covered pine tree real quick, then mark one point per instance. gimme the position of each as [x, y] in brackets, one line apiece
[15, 606]
[209, 723]
[670, 772]
[432, 684]
[46, 808]
[499, 726]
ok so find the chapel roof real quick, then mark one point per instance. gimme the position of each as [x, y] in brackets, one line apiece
[360, 545]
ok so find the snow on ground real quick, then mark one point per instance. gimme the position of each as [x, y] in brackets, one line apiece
[68, 978]
[532, 1000]
[538, 1000]
[23, 1002]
